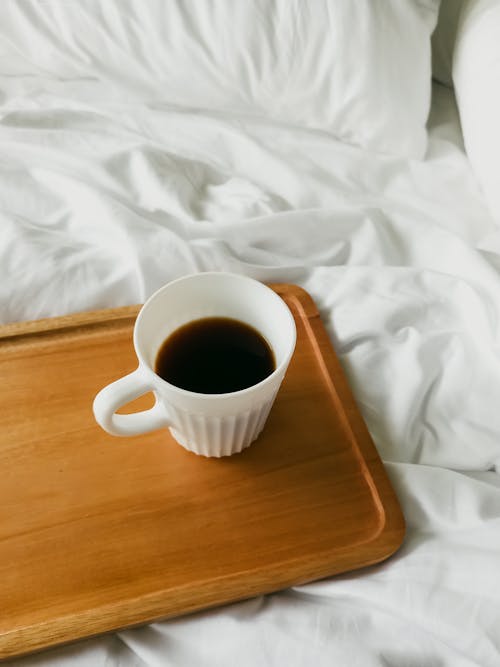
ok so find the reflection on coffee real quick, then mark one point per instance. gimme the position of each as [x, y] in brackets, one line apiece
[215, 355]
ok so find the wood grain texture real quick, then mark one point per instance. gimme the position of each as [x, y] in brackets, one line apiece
[99, 533]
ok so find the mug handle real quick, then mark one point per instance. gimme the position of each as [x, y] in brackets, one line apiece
[118, 393]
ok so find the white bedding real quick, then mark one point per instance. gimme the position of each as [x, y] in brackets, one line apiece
[101, 203]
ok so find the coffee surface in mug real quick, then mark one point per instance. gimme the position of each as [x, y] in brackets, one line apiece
[215, 355]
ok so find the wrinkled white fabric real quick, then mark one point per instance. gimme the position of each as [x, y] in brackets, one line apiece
[329, 65]
[102, 204]
[443, 41]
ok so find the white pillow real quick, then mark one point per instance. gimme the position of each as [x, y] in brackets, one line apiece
[359, 69]
[476, 77]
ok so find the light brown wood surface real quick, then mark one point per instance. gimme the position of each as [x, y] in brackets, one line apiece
[99, 533]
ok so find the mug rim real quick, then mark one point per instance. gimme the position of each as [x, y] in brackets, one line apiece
[199, 395]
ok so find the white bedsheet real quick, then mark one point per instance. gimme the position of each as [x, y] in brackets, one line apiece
[102, 201]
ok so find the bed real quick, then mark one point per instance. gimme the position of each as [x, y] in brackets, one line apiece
[109, 188]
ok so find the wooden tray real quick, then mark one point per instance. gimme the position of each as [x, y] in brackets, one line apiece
[99, 533]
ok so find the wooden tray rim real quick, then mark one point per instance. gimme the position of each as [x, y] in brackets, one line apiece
[391, 521]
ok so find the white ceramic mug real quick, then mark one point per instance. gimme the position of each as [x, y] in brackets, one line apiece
[207, 424]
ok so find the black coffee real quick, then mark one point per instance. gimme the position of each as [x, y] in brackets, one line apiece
[215, 355]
